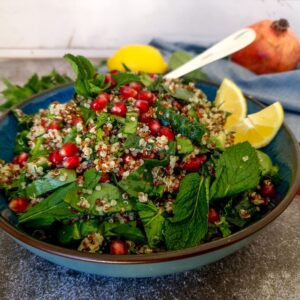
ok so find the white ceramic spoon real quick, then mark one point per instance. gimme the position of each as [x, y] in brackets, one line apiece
[227, 46]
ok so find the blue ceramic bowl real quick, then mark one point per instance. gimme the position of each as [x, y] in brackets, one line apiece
[284, 151]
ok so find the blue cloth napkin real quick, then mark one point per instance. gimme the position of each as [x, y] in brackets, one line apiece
[283, 87]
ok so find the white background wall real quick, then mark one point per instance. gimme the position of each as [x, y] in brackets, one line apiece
[38, 28]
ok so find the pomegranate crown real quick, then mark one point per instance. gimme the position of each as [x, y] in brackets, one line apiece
[280, 25]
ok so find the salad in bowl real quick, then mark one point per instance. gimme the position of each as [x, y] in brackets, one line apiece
[133, 164]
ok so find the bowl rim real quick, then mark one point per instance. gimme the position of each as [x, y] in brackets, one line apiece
[161, 256]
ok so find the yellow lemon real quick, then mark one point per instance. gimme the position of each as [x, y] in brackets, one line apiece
[261, 127]
[230, 99]
[142, 58]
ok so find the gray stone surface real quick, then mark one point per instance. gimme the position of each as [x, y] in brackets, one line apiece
[269, 268]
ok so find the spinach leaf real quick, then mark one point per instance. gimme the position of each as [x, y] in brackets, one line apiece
[131, 122]
[50, 182]
[237, 170]
[190, 222]
[140, 180]
[91, 178]
[37, 151]
[179, 58]
[50, 209]
[68, 233]
[180, 124]
[128, 231]
[153, 222]
[87, 113]
[182, 94]
[107, 193]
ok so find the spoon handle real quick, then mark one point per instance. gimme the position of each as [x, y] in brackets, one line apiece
[227, 46]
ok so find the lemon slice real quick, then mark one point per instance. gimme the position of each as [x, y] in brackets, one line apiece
[230, 99]
[261, 127]
[142, 58]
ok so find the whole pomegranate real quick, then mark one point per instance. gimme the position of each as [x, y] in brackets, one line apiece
[275, 49]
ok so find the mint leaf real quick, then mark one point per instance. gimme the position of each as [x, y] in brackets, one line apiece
[153, 222]
[237, 170]
[190, 222]
[180, 124]
[15, 94]
[124, 78]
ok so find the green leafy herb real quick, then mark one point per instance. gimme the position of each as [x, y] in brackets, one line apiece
[50, 209]
[131, 122]
[132, 141]
[140, 180]
[153, 222]
[69, 232]
[184, 145]
[151, 163]
[128, 231]
[50, 182]
[179, 58]
[237, 170]
[190, 222]
[70, 137]
[192, 130]
[91, 178]
[124, 78]
[21, 142]
[15, 94]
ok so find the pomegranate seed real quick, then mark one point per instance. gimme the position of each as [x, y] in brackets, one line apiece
[194, 164]
[20, 159]
[153, 75]
[43, 123]
[55, 157]
[142, 105]
[54, 126]
[145, 117]
[135, 85]
[147, 96]
[298, 192]
[71, 162]
[128, 92]
[118, 247]
[68, 149]
[119, 109]
[213, 216]
[109, 79]
[154, 126]
[267, 188]
[167, 132]
[114, 72]
[177, 104]
[100, 102]
[127, 158]
[75, 121]
[18, 205]
[105, 178]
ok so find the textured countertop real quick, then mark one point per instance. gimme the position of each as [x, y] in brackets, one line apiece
[268, 268]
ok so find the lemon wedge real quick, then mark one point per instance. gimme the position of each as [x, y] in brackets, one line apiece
[230, 99]
[142, 58]
[261, 127]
